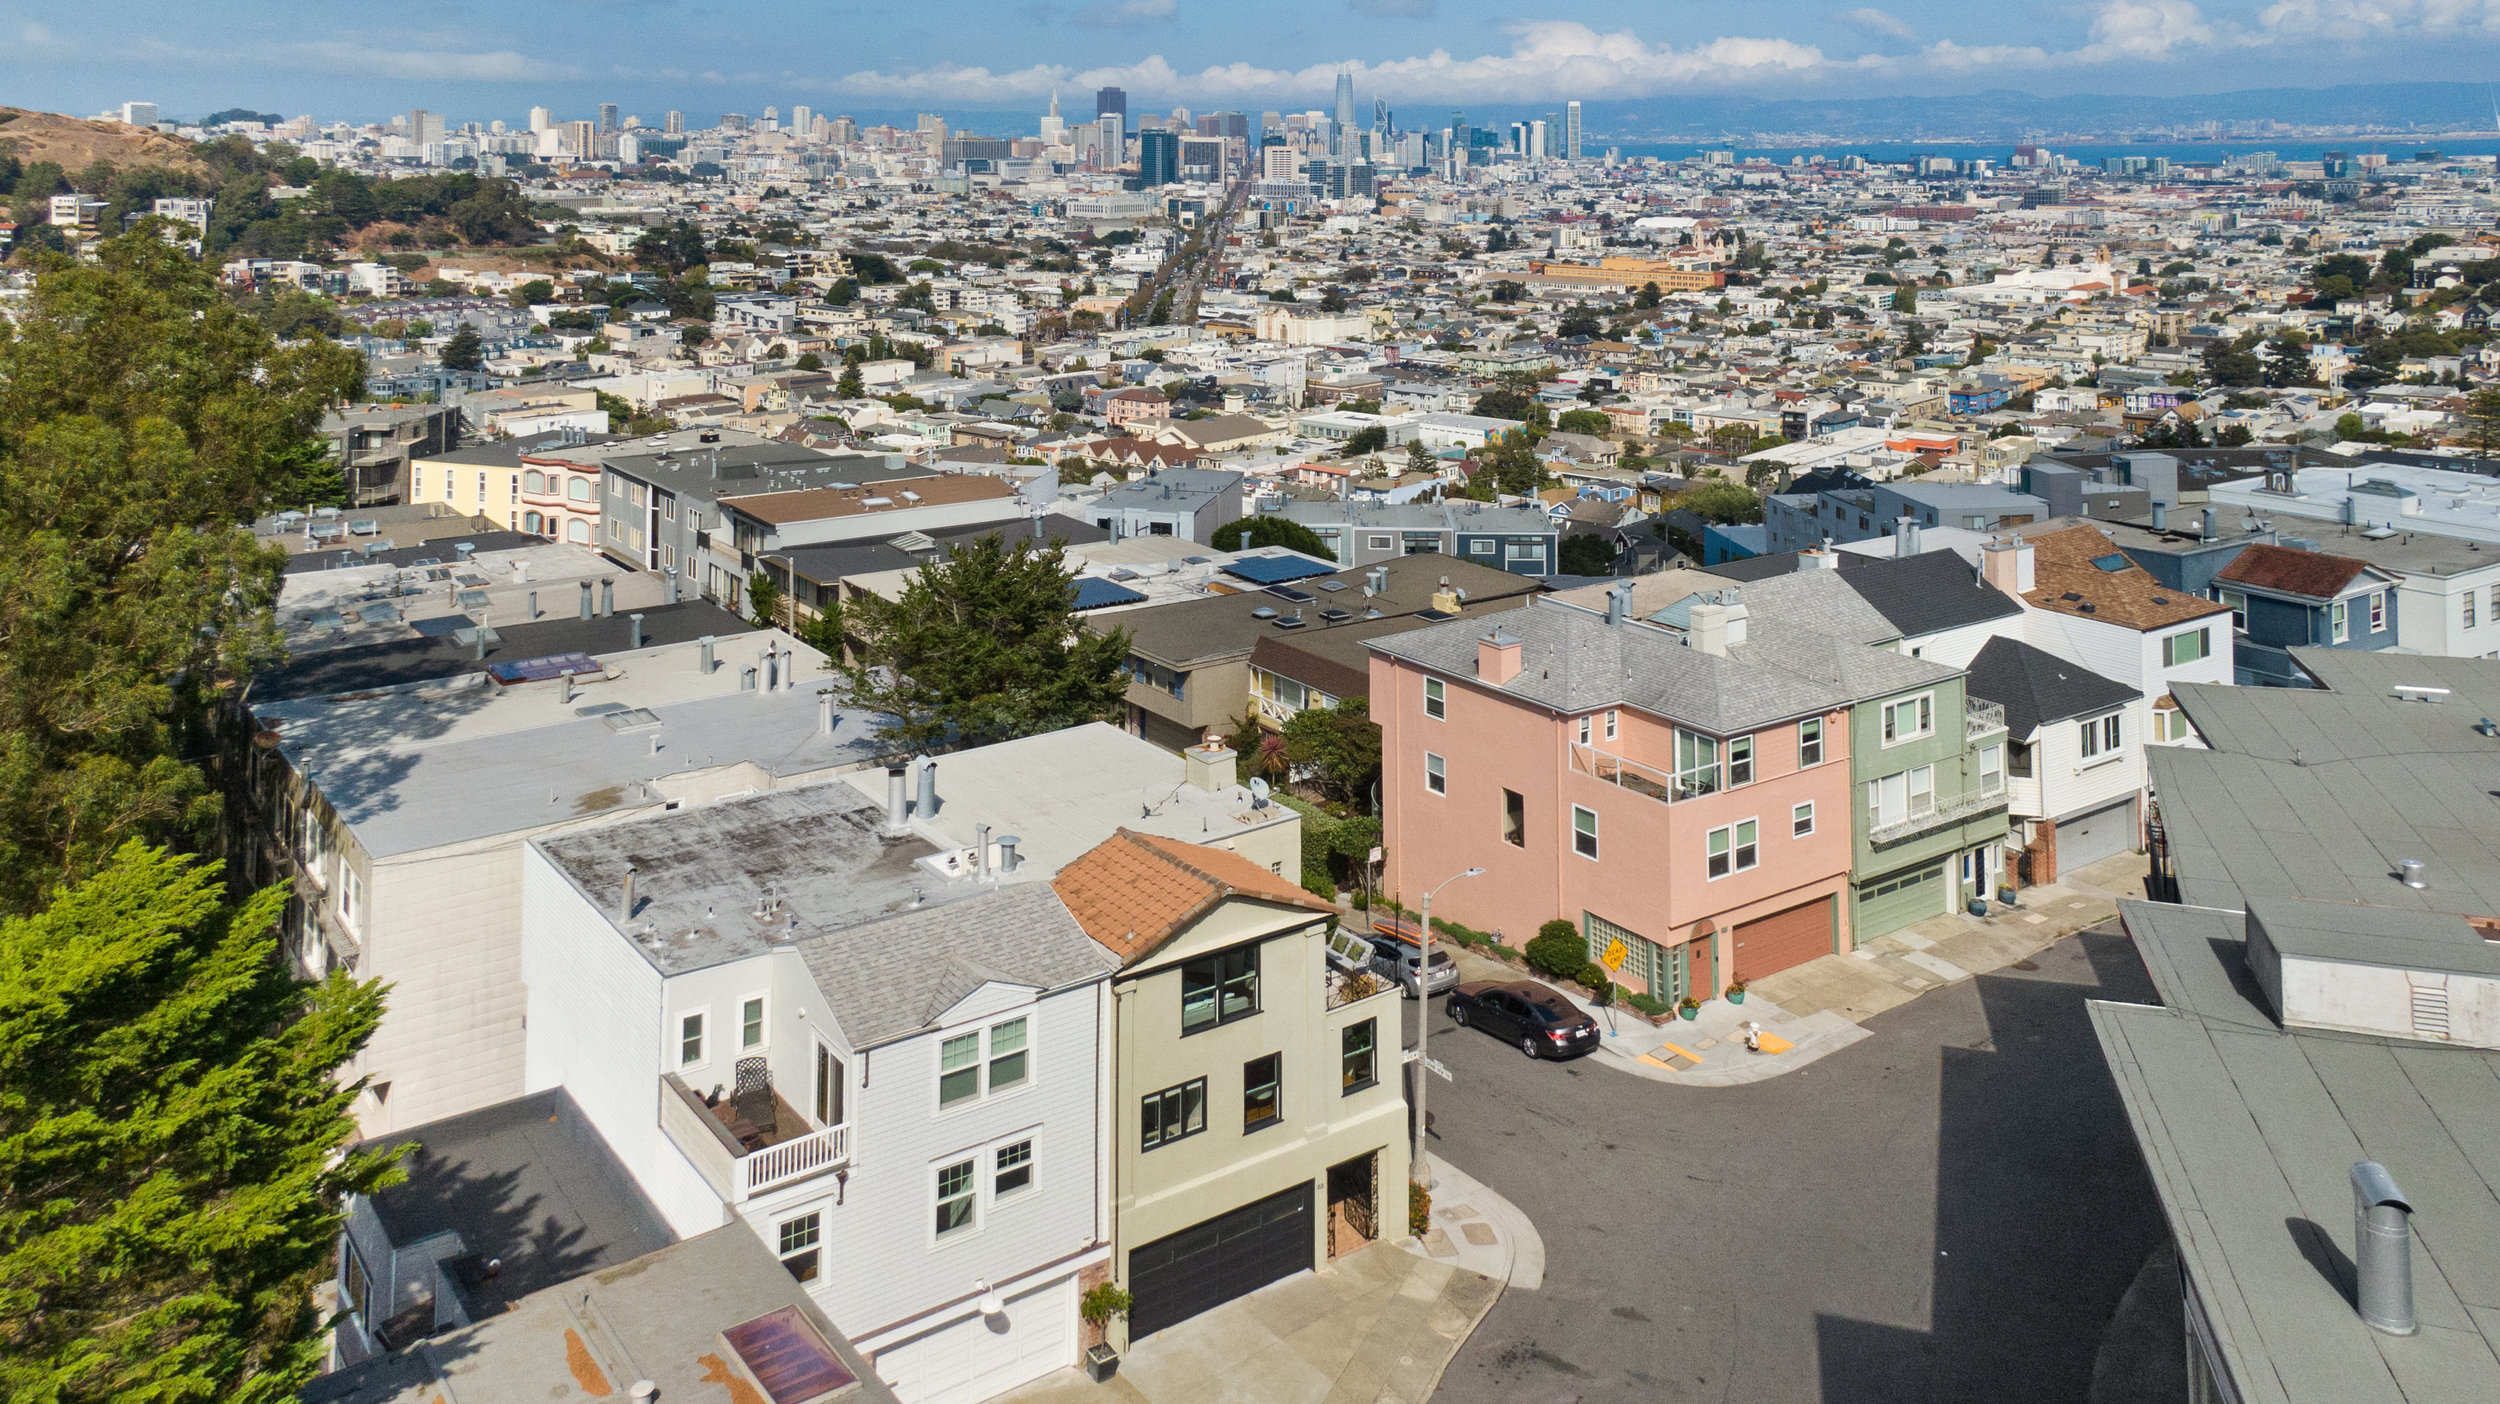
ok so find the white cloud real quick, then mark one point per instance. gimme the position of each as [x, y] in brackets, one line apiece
[1120, 14]
[2363, 19]
[2144, 29]
[1879, 22]
[1396, 9]
[435, 65]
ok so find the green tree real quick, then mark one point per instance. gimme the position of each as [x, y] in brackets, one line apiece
[2482, 420]
[1371, 438]
[169, 1128]
[1418, 458]
[1268, 529]
[982, 646]
[1514, 466]
[2227, 363]
[764, 598]
[809, 361]
[1905, 299]
[465, 351]
[2234, 436]
[1719, 500]
[1584, 422]
[1339, 747]
[142, 418]
[533, 293]
[850, 386]
[1587, 555]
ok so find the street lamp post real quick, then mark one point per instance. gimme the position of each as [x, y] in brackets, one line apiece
[1419, 1169]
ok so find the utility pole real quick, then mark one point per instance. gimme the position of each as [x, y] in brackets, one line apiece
[1419, 1169]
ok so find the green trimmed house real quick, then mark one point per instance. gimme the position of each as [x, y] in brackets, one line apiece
[1929, 826]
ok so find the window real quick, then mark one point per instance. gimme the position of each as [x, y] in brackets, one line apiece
[357, 1281]
[1585, 724]
[1584, 831]
[2239, 608]
[1734, 848]
[1357, 1045]
[828, 1087]
[1262, 1092]
[578, 490]
[2018, 759]
[2186, 647]
[1991, 769]
[1376, 541]
[1801, 821]
[1174, 1112]
[1219, 988]
[2378, 611]
[1015, 1170]
[959, 1069]
[1740, 761]
[351, 895]
[957, 1194]
[481, 485]
[1909, 718]
[751, 1023]
[1610, 726]
[2469, 609]
[1809, 743]
[798, 1240]
[1436, 774]
[689, 1040]
[1436, 699]
[1696, 764]
[1908, 795]
[1514, 819]
[2100, 735]
[2170, 725]
[2338, 622]
[1007, 1055]
[1923, 791]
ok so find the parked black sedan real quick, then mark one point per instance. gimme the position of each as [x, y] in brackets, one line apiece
[1541, 1023]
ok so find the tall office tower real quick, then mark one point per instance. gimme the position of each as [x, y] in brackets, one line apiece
[1054, 126]
[1345, 101]
[607, 117]
[581, 139]
[845, 131]
[676, 122]
[542, 119]
[424, 128]
[1571, 131]
[932, 133]
[1380, 116]
[1158, 159]
[802, 120]
[1536, 140]
[772, 118]
[1111, 102]
[1270, 122]
[138, 114]
[496, 126]
[1279, 163]
[1180, 119]
[1111, 139]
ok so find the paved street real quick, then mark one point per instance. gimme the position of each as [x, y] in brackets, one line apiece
[1948, 1210]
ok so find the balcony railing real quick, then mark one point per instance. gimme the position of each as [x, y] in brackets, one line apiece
[1980, 718]
[1952, 811]
[823, 1149]
[1662, 786]
[1347, 986]
[733, 1171]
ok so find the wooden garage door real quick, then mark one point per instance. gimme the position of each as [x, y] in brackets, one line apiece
[1783, 939]
[1209, 1263]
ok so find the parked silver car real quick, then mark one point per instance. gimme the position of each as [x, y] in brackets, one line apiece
[1397, 955]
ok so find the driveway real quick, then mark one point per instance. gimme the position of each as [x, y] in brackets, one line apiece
[1947, 1210]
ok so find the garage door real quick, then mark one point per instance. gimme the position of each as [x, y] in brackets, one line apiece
[1208, 1264]
[2096, 836]
[1783, 939]
[975, 1357]
[1895, 900]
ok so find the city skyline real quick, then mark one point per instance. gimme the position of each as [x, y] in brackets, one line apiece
[285, 54]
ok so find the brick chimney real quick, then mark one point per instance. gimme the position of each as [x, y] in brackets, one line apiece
[2007, 565]
[1497, 658]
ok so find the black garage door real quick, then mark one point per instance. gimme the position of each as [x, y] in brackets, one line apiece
[1208, 1264]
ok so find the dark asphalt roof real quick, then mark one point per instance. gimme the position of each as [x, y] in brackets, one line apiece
[2037, 687]
[441, 548]
[403, 661]
[1929, 592]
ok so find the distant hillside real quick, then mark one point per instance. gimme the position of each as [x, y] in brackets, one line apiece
[75, 145]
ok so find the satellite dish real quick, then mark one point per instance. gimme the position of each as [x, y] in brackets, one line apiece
[1258, 793]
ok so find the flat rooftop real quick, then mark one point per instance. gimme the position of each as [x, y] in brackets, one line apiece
[414, 592]
[2400, 495]
[408, 661]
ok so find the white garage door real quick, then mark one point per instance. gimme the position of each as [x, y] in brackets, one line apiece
[2096, 836]
[973, 1358]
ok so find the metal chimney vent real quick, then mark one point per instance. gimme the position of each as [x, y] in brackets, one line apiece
[2382, 1225]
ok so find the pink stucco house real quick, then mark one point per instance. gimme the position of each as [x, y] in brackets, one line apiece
[1686, 795]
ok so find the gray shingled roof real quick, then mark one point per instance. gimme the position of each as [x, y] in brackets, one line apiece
[1929, 593]
[1573, 661]
[1812, 599]
[2037, 687]
[893, 978]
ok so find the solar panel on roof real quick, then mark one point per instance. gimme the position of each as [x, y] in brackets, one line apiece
[1094, 592]
[1435, 615]
[441, 626]
[542, 669]
[1274, 570]
[787, 1357]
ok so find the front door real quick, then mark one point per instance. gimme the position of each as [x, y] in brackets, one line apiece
[1353, 1204]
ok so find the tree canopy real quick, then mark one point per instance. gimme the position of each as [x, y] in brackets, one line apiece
[142, 417]
[982, 646]
[1269, 529]
[169, 1126]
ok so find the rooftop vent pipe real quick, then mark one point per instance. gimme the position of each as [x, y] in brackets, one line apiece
[897, 799]
[824, 712]
[607, 597]
[2415, 872]
[634, 630]
[1619, 603]
[981, 850]
[2382, 1226]
[585, 599]
[927, 807]
[668, 585]
[708, 662]
[2161, 515]
[1007, 852]
[625, 912]
[2210, 523]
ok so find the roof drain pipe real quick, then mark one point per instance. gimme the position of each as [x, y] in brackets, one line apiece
[2382, 1223]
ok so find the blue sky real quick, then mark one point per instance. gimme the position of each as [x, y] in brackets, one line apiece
[361, 60]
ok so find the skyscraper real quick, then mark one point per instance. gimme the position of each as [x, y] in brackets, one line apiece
[1054, 126]
[1111, 139]
[676, 122]
[542, 119]
[607, 117]
[1158, 159]
[1571, 131]
[802, 119]
[1345, 109]
[1110, 102]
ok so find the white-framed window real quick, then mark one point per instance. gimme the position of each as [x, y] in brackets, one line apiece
[2101, 735]
[2468, 600]
[1910, 718]
[1991, 768]
[1910, 794]
[1010, 1061]
[1809, 742]
[828, 1088]
[2170, 726]
[751, 1022]
[1436, 774]
[2186, 647]
[351, 895]
[1696, 764]
[1584, 831]
[1801, 820]
[690, 1039]
[984, 1062]
[958, 1198]
[1739, 761]
[2378, 611]
[959, 1069]
[799, 1243]
[1436, 698]
[1610, 725]
[1011, 1169]
[1586, 723]
[2238, 601]
[2338, 622]
[1378, 541]
[1735, 847]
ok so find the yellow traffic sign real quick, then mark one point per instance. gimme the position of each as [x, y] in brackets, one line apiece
[1616, 951]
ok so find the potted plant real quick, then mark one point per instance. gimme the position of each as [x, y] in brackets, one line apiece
[1736, 993]
[1690, 1008]
[1101, 1302]
[2005, 894]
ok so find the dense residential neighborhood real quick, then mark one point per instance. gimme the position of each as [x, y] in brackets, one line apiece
[1249, 755]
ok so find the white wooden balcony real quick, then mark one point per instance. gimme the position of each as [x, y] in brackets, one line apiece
[741, 1164]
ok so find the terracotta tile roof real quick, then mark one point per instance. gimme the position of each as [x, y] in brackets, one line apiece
[2067, 582]
[2311, 575]
[1132, 892]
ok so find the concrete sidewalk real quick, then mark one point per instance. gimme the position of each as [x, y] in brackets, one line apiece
[1376, 1326]
[1475, 1228]
[1892, 970]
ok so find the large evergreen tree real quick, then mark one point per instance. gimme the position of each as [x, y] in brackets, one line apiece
[169, 1122]
[142, 418]
[983, 645]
